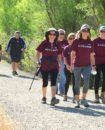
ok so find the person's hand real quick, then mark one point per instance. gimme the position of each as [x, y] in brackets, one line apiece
[72, 67]
[68, 67]
[22, 49]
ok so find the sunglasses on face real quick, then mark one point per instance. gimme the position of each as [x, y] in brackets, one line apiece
[86, 30]
[61, 34]
[72, 38]
[52, 34]
[102, 31]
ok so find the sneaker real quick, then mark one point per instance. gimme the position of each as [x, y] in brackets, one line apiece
[73, 100]
[54, 101]
[16, 73]
[78, 104]
[84, 103]
[44, 100]
[13, 73]
[96, 99]
[65, 98]
[103, 97]
[61, 93]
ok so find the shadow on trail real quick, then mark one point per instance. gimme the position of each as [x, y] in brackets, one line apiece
[26, 77]
[5, 76]
[82, 111]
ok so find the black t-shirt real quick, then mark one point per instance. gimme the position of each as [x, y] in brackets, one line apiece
[15, 46]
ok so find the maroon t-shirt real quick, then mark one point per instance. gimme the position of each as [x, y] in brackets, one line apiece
[83, 48]
[67, 54]
[63, 44]
[99, 49]
[50, 54]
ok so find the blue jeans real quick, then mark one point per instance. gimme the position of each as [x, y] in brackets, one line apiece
[61, 83]
[85, 71]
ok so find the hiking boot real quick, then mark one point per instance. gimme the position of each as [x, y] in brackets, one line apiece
[44, 100]
[96, 99]
[78, 104]
[54, 101]
[84, 103]
[73, 100]
[16, 73]
[61, 93]
[103, 97]
[13, 73]
[65, 98]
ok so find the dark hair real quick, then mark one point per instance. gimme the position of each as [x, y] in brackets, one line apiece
[47, 35]
[79, 35]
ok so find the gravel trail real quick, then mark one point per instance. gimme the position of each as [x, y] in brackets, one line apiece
[27, 113]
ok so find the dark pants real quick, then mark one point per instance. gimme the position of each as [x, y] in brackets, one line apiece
[53, 76]
[69, 79]
[100, 68]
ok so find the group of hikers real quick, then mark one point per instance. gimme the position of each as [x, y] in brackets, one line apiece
[75, 58]
[66, 61]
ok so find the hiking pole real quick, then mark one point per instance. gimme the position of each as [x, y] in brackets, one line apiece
[36, 74]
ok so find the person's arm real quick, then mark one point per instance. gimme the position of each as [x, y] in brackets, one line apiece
[92, 60]
[9, 45]
[24, 45]
[73, 56]
[38, 57]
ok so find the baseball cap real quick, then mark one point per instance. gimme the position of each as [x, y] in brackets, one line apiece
[85, 26]
[102, 28]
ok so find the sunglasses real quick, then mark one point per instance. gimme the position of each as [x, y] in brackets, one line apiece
[61, 34]
[52, 34]
[86, 30]
[102, 31]
[71, 38]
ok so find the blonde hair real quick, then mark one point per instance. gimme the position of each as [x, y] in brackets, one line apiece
[70, 35]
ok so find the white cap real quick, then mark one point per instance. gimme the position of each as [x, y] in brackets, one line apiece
[85, 26]
[61, 31]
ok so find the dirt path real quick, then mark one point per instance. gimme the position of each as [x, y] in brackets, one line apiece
[25, 111]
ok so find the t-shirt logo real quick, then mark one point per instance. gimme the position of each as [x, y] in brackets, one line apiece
[54, 49]
[101, 45]
[85, 46]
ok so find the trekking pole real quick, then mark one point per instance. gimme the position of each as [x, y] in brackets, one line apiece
[36, 74]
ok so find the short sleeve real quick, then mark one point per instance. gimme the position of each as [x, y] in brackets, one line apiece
[65, 52]
[41, 47]
[59, 49]
[74, 46]
[92, 49]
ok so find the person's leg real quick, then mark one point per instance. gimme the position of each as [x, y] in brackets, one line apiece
[13, 66]
[77, 75]
[45, 83]
[97, 83]
[103, 84]
[62, 79]
[73, 85]
[86, 77]
[68, 79]
[53, 76]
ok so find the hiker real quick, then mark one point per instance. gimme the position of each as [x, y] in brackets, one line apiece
[82, 51]
[16, 47]
[99, 49]
[50, 54]
[62, 79]
[68, 72]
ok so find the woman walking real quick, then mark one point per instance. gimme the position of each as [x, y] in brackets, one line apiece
[82, 51]
[50, 54]
[67, 61]
[61, 83]
[99, 49]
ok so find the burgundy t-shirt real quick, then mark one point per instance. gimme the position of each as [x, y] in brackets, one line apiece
[67, 54]
[83, 48]
[63, 44]
[99, 49]
[50, 54]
